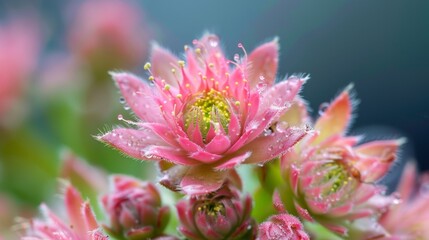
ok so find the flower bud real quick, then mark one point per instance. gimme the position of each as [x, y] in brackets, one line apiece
[134, 209]
[223, 214]
[282, 226]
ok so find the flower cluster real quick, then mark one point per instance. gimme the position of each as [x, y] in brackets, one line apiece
[201, 117]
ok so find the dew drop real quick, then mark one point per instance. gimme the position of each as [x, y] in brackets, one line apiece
[120, 117]
[261, 86]
[195, 41]
[240, 45]
[260, 164]
[236, 57]
[282, 126]
[323, 107]
[261, 77]
[268, 132]
[121, 100]
[213, 41]
[126, 107]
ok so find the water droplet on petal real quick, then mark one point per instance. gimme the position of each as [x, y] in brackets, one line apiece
[121, 100]
[261, 77]
[282, 126]
[323, 107]
[126, 107]
[268, 132]
[213, 41]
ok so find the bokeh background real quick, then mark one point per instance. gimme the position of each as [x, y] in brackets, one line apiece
[56, 94]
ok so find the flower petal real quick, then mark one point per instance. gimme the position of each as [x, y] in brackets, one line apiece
[218, 145]
[266, 148]
[131, 141]
[233, 162]
[336, 118]
[263, 62]
[73, 202]
[202, 180]
[162, 63]
[138, 96]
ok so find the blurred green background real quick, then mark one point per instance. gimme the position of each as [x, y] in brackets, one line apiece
[67, 97]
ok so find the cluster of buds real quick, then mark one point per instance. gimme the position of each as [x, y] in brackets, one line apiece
[201, 118]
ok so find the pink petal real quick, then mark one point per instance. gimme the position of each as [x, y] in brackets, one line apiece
[131, 141]
[202, 180]
[263, 62]
[205, 157]
[73, 202]
[218, 145]
[376, 158]
[303, 213]
[162, 63]
[233, 162]
[266, 148]
[138, 96]
[408, 181]
[336, 118]
[297, 114]
[88, 217]
[281, 95]
[174, 155]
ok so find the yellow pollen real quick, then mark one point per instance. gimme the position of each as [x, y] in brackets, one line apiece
[173, 70]
[208, 108]
[204, 78]
[187, 85]
[198, 50]
[237, 103]
[179, 95]
[167, 87]
[181, 63]
[151, 78]
[211, 65]
[147, 66]
[236, 83]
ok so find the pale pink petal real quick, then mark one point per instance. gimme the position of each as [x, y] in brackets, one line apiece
[297, 114]
[202, 180]
[205, 157]
[266, 148]
[138, 95]
[281, 95]
[219, 144]
[263, 62]
[169, 154]
[376, 158]
[73, 202]
[163, 61]
[233, 162]
[408, 181]
[88, 217]
[131, 141]
[336, 118]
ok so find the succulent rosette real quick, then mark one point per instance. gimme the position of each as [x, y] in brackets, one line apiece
[82, 224]
[224, 214]
[134, 210]
[206, 115]
[407, 219]
[332, 180]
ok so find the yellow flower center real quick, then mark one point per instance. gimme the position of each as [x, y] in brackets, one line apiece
[212, 208]
[207, 108]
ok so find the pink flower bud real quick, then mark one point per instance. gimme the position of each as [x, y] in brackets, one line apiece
[223, 214]
[282, 226]
[134, 209]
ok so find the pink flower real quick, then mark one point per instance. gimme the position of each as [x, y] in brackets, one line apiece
[282, 225]
[331, 180]
[109, 30]
[223, 214]
[134, 210]
[204, 116]
[408, 218]
[82, 223]
[19, 47]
